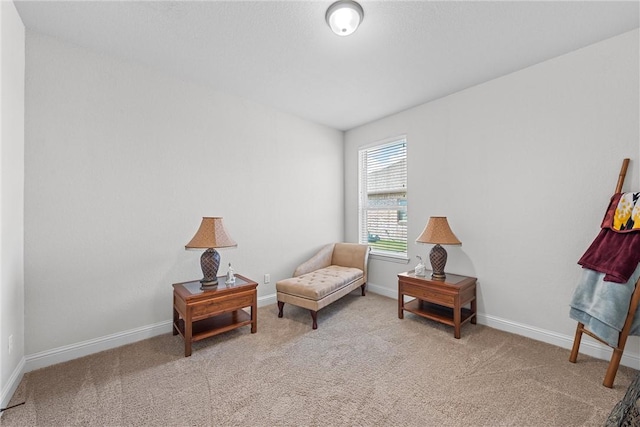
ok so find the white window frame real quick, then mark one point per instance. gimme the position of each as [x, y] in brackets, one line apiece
[363, 209]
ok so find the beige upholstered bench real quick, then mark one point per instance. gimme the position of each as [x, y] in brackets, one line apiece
[333, 272]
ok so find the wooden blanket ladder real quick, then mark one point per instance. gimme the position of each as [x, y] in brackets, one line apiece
[614, 363]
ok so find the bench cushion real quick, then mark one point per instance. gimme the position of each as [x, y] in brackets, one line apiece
[320, 283]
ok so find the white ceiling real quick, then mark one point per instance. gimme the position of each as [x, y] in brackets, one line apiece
[283, 54]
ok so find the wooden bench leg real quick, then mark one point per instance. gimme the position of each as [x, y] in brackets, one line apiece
[280, 307]
[362, 287]
[314, 316]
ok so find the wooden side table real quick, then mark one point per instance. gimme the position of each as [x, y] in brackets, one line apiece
[200, 314]
[439, 300]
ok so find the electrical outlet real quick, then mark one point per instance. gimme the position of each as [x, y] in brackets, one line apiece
[10, 343]
[267, 278]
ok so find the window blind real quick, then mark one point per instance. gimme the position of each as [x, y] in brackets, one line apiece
[383, 197]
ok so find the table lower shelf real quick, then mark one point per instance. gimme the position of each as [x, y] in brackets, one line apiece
[437, 312]
[211, 326]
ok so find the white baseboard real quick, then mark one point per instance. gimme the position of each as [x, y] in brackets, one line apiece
[267, 300]
[587, 345]
[12, 385]
[386, 292]
[84, 348]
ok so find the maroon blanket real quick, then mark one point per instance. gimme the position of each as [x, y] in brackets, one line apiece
[615, 254]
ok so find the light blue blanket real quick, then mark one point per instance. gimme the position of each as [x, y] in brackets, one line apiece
[603, 306]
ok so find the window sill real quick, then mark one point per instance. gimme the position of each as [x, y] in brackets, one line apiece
[400, 259]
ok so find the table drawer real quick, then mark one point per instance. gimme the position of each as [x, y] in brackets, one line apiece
[428, 295]
[222, 304]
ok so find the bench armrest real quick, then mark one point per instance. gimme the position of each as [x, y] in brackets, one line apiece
[351, 255]
[320, 260]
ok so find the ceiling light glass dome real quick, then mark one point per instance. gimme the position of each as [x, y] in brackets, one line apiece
[344, 16]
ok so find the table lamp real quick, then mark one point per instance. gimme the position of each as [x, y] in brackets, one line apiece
[209, 236]
[438, 231]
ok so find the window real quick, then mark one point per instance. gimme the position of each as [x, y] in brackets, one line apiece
[383, 197]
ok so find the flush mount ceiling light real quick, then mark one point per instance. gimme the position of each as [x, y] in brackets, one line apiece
[344, 16]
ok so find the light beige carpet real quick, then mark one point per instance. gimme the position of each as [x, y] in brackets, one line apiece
[361, 367]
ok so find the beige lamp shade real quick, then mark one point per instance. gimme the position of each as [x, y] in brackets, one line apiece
[438, 232]
[211, 234]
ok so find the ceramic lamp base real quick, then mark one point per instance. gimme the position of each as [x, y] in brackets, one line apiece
[209, 262]
[438, 258]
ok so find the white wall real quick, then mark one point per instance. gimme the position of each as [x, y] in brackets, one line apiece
[121, 164]
[12, 53]
[523, 166]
